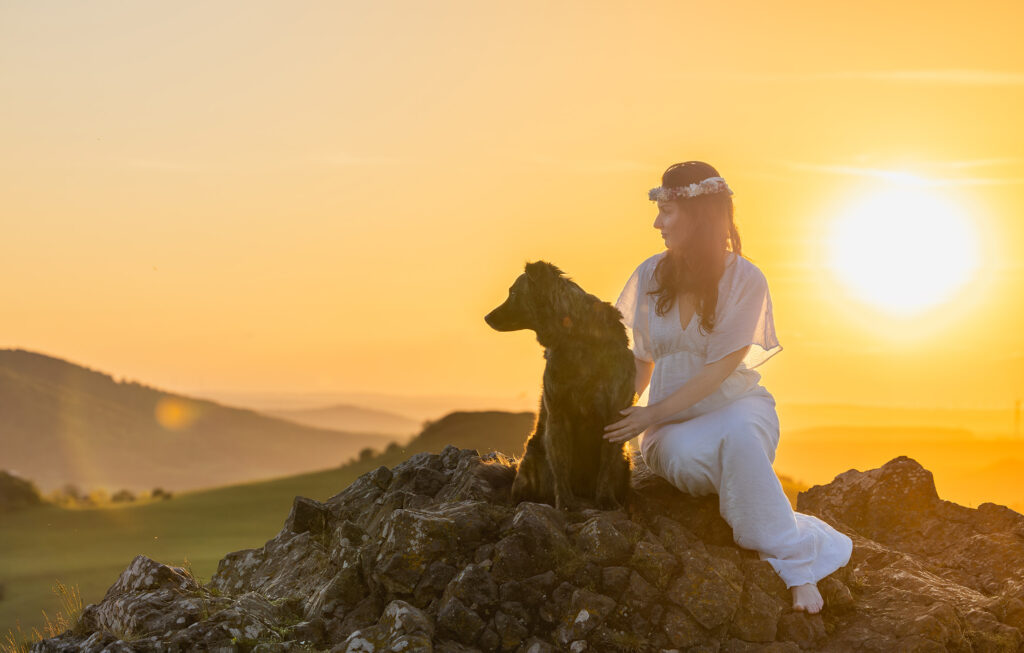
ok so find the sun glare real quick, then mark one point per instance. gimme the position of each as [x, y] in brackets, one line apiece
[903, 250]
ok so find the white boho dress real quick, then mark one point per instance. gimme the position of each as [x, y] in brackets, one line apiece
[725, 444]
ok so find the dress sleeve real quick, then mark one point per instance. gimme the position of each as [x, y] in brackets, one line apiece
[634, 304]
[746, 319]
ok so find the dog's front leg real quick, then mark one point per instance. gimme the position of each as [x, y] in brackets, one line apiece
[533, 476]
[612, 477]
[558, 446]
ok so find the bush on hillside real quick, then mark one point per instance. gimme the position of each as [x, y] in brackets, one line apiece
[16, 492]
[123, 496]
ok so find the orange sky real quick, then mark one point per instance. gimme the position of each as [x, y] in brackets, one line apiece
[329, 196]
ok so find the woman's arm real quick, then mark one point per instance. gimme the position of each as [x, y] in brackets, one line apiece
[700, 386]
[644, 371]
[639, 418]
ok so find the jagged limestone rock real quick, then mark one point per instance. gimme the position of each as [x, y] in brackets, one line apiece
[430, 556]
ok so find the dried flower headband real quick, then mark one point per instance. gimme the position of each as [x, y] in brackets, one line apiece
[705, 187]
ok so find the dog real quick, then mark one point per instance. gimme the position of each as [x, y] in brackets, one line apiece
[589, 378]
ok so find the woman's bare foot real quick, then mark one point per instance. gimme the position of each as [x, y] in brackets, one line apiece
[807, 597]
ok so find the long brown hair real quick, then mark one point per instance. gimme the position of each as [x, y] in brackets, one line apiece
[698, 266]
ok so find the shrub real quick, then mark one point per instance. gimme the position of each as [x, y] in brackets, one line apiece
[122, 496]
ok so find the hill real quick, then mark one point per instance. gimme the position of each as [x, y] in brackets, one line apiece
[431, 556]
[416, 407]
[16, 493]
[63, 423]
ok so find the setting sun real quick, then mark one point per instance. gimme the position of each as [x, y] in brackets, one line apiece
[903, 250]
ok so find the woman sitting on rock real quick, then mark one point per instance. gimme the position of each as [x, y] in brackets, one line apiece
[709, 426]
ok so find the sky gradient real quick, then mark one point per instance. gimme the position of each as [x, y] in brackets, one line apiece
[329, 196]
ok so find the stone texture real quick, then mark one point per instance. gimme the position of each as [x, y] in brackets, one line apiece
[430, 556]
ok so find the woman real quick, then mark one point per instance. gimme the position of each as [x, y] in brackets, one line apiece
[700, 317]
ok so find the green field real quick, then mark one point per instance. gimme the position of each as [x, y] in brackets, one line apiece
[90, 548]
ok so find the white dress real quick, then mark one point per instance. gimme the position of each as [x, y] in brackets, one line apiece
[725, 444]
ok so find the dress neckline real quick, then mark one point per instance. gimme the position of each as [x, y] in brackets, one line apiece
[679, 320]
[693, 317]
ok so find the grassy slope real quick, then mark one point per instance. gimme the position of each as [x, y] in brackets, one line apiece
[90, 548]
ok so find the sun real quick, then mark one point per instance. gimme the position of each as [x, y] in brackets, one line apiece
[903, 250]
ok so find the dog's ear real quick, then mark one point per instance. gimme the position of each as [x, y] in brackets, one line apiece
[541, 272]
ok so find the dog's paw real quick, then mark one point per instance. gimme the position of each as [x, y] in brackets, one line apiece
[608, 503]
[570, 504]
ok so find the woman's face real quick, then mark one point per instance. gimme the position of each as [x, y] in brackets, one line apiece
[672, 223]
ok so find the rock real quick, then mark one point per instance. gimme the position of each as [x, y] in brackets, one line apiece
[456, 620]
[801, 628]
[897, 506]
[307, 515]
[639, 594]
[601, 541]
[707, 587]
[430, 556]
[474, 587]
[653, 562]
[614, 580]
[402, 627]
[682, 630]
[756, 619]
[412, 539]
[586, 610]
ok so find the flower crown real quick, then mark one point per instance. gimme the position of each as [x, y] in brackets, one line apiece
[707, 186]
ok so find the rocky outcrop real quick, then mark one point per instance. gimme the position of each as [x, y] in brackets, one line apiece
[430, 556]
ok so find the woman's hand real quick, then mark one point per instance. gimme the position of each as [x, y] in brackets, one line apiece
[635, 422]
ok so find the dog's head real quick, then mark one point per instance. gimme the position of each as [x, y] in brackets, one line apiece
[531, 298]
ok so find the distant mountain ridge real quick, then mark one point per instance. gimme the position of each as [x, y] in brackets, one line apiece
[65, 423]
[983, 422]
[871, 434]
[342, 417]
[417, 407]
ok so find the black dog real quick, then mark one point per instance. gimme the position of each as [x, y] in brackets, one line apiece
[589, 378]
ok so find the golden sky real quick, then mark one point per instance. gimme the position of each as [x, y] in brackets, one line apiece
[329, 196]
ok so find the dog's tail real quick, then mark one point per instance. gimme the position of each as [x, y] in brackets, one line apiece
[498, 470]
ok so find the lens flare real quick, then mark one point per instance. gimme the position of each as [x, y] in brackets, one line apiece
[175, 414]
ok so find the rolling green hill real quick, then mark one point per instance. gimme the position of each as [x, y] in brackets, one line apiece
[63, 423]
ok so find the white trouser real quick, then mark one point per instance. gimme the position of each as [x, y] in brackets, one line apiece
[729, 451]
